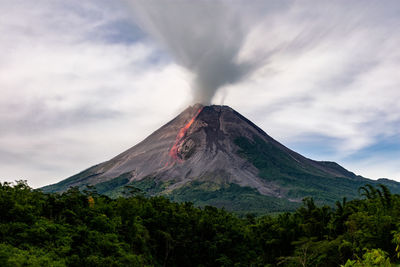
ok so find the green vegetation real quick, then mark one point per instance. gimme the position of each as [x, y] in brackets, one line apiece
[302, 180]
[67, 183]
[232, 197]
[295, 178]
[84, 228]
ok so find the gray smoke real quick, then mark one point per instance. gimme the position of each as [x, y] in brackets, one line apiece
[205, 37]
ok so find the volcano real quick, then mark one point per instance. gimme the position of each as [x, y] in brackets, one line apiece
[212, 155]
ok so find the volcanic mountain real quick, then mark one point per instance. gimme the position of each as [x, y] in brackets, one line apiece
[212, 155]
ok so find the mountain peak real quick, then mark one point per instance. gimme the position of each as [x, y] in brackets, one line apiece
[208, 150]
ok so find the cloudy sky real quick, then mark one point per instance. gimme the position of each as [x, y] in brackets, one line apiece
[81, 81]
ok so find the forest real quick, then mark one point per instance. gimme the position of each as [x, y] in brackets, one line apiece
[84, 228]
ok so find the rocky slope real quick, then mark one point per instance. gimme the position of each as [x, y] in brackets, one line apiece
[213, 155]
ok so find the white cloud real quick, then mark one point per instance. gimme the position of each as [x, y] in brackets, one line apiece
[68, 100]
[334, 74]
[76, 88]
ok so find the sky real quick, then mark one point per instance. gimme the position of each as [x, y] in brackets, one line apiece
[82, 81]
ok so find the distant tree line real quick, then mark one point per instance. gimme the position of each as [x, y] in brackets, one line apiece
[83, 228]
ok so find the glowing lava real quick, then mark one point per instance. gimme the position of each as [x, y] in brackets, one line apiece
[180, 137]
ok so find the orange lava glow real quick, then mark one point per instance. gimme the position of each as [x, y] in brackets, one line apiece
[180, 137]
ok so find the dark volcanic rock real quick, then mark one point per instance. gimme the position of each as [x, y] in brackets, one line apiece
[214, 147]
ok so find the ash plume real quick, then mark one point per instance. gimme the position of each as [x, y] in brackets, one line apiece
[205, 37]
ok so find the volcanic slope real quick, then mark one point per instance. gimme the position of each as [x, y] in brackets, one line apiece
[212, 155]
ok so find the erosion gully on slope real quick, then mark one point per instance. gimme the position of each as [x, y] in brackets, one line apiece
[173, 153]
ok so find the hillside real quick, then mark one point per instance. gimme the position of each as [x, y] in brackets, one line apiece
[212, 155]
[87, 229]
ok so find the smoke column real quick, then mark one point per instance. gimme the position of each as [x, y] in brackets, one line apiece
[205, 37]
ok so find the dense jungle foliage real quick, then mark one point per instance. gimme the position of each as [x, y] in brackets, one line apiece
[87, 229]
